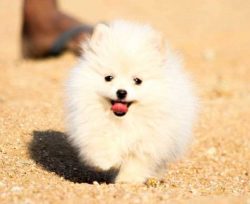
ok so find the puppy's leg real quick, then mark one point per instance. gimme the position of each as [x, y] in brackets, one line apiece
[102, 153]
[134, 171]
[103, 160]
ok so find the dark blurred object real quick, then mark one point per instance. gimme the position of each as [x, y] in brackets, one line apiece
[47, 31]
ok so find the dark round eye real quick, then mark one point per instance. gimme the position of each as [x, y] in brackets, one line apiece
[108, 78]
[137, 81]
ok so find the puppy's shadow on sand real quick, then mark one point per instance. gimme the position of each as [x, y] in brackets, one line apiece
[51, 150]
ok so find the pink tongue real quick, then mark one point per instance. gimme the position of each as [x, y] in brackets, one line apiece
[119, 107]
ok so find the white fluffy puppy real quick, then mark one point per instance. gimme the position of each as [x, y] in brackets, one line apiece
[130, 105]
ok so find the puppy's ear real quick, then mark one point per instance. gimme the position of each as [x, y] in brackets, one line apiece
[99, 31]
[159, 43]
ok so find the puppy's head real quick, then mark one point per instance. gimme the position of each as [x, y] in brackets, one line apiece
[127, 62]
[121, 92]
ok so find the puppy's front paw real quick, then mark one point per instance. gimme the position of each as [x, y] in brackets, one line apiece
[104, 164]
[129, 178]
[132, 180]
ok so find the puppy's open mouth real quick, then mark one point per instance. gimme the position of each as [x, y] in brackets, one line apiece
[120, 108]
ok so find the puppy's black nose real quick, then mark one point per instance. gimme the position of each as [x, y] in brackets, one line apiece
[121, 93]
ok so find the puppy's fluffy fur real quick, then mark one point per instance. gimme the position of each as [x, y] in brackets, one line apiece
[157, 125]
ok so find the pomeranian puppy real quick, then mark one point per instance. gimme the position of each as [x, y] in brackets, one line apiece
[130, 106]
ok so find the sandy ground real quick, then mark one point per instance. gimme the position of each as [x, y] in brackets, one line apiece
[38, 166]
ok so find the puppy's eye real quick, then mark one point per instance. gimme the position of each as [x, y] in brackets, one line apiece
[137, 81]
[108, 78]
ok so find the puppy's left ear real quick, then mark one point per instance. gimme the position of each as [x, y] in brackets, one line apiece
[99, 32]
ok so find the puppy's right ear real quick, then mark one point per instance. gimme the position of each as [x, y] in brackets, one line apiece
[159, 43]
[99, 31]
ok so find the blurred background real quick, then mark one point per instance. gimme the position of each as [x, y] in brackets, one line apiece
[221, 26]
